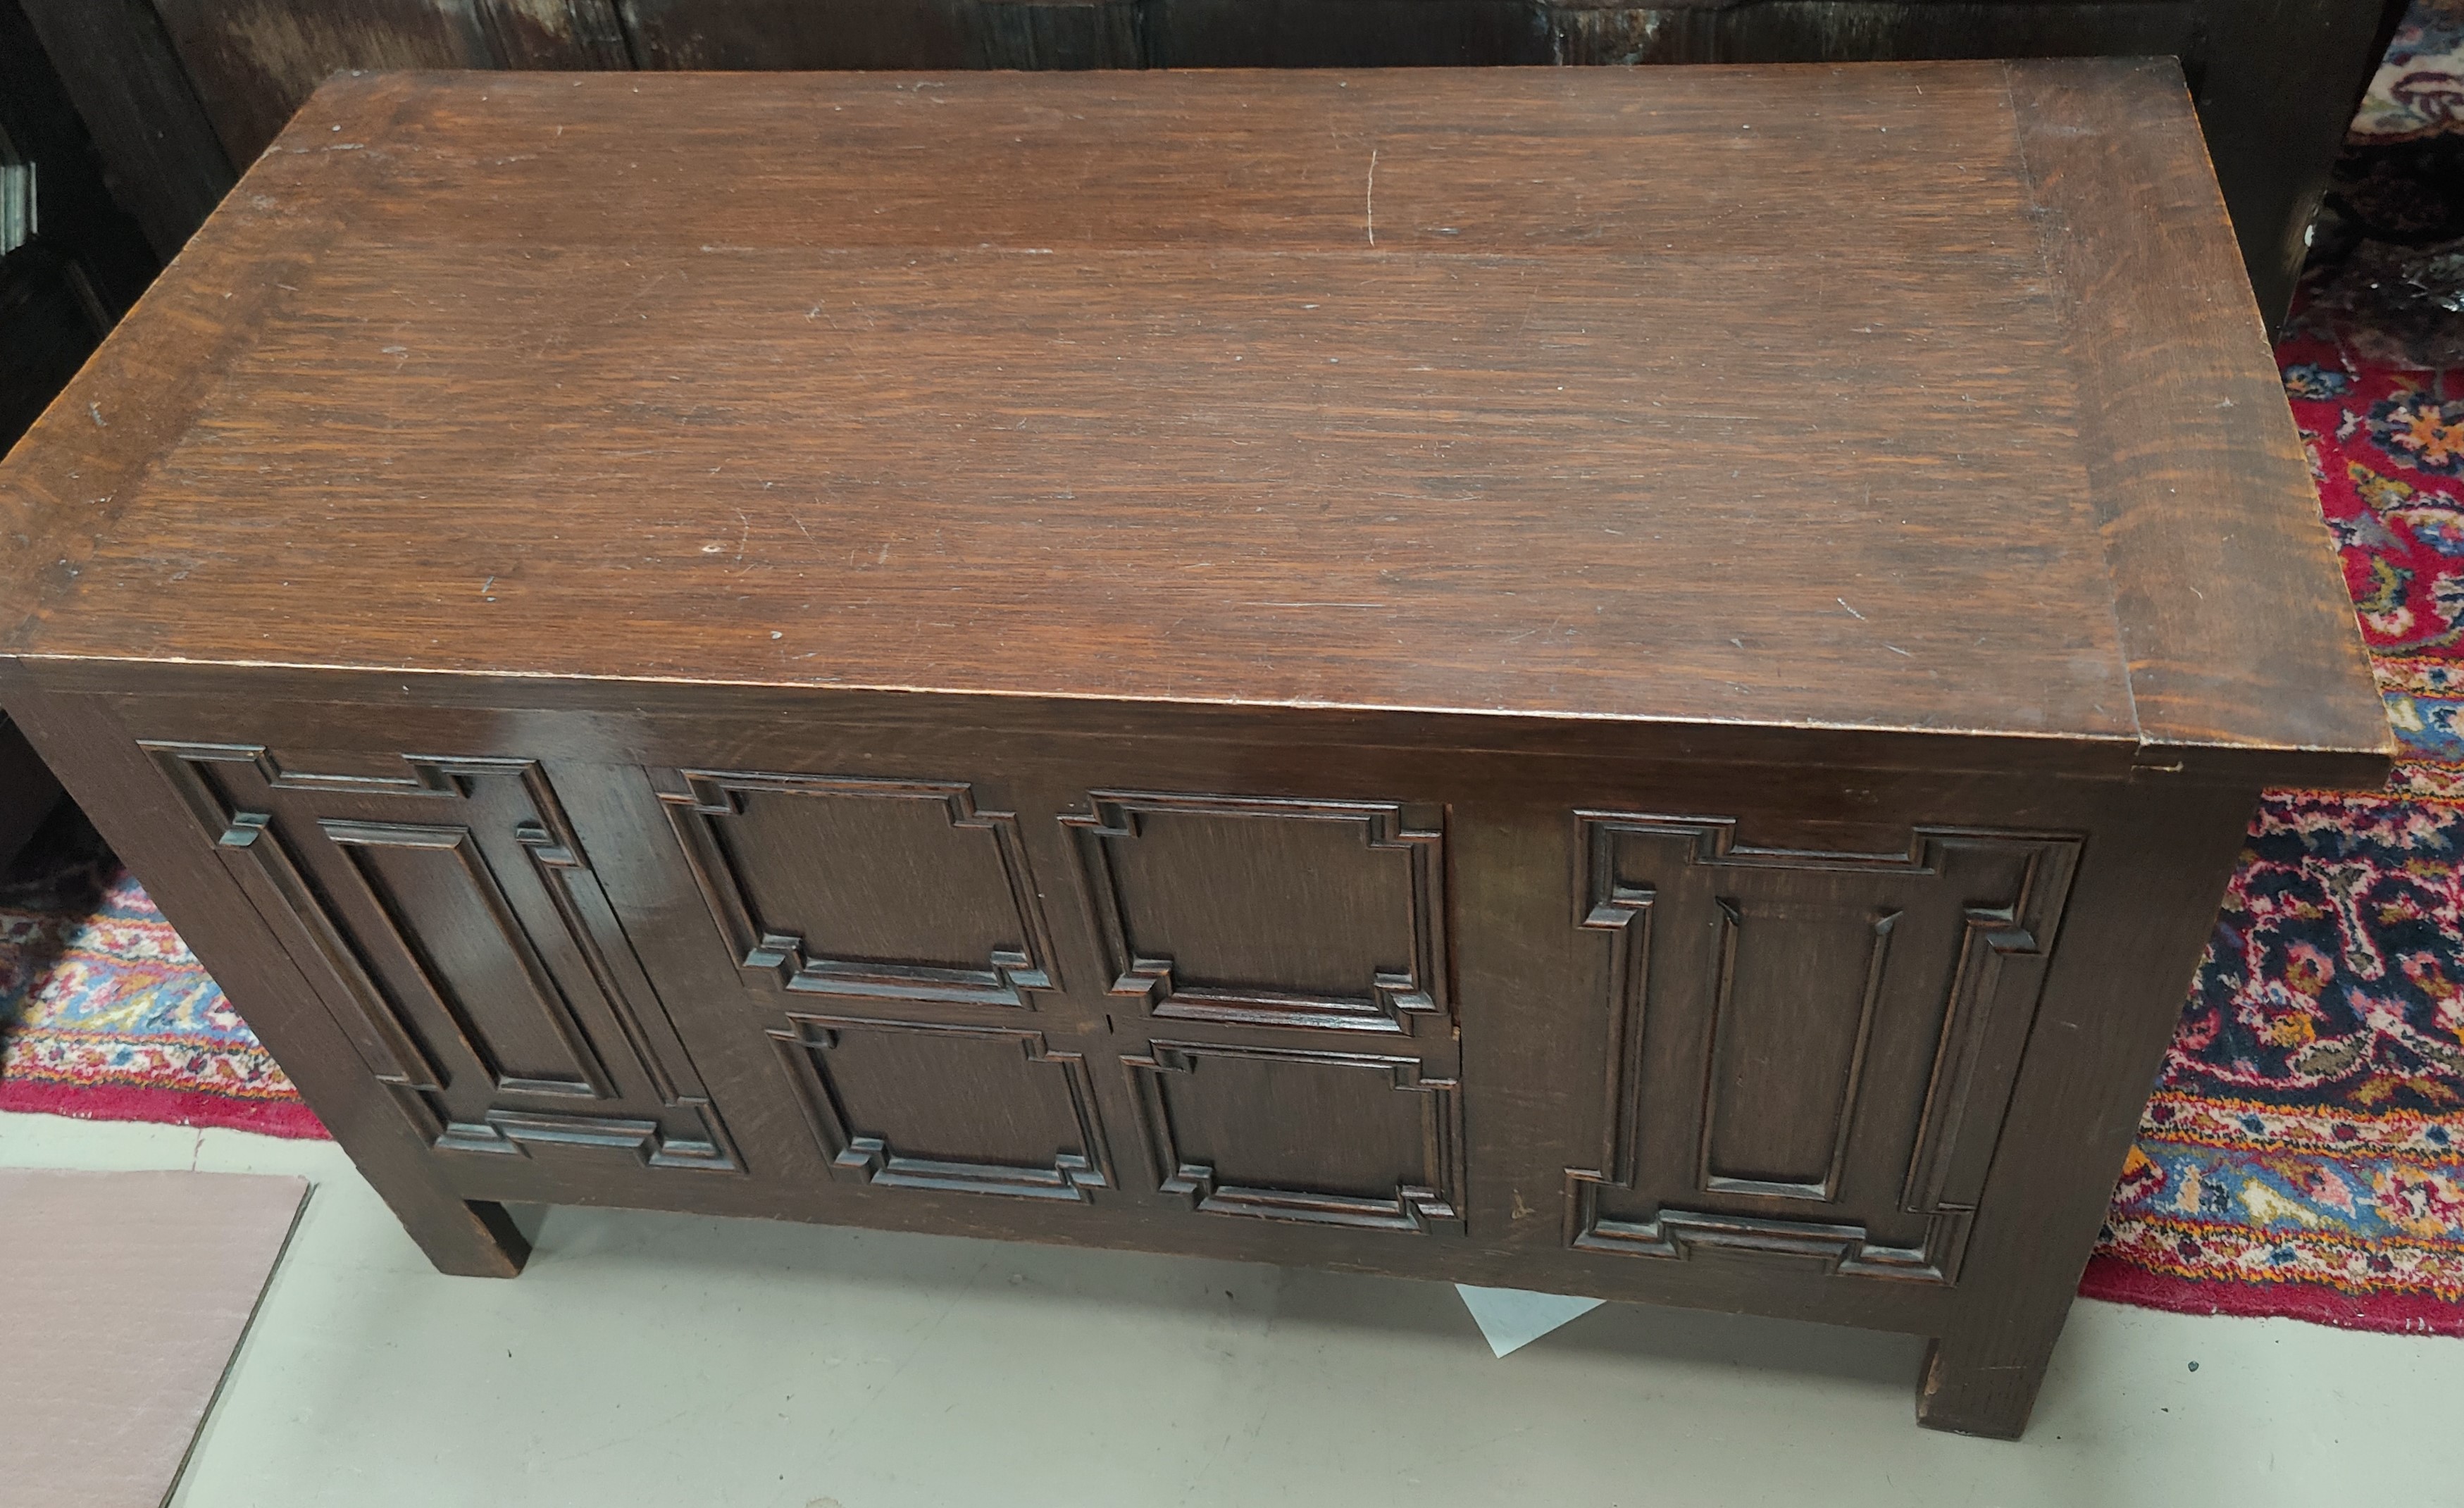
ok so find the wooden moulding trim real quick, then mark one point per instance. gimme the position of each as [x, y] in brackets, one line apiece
[2191, 451]
[1944, 751]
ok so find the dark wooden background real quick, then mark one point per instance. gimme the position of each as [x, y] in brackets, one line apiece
[141, 113]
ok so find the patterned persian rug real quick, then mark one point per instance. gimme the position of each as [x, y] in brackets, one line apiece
[2417, 94]
[105, 1015]
[2303, 1154]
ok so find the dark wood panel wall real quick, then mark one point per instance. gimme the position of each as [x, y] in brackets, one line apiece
[179, 91]
[72, 261]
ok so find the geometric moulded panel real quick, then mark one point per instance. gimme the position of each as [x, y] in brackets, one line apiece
[883, 888]
[448, 919]
[447, 914]
[1809, 1053]
[1266, 910]
[971, 1110]
[1344, 1139]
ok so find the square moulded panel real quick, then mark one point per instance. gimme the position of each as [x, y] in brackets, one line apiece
[1350, 1139]
[852, 886]
[913, 1105]
[1268, 911]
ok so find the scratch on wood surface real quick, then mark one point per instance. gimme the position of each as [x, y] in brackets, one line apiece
[639, 294]
[1368, 205]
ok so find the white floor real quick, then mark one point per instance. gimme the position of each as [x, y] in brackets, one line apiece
[648, 1358]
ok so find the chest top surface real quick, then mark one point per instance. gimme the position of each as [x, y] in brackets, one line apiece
[1890, 396]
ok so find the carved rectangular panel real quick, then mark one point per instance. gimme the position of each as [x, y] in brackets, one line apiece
[972, 1109]
[444, 911]
[1345, 1138]
[1268, 911]
[440, 909]
[1793, 1014]
[1809, 1053]
[848, 886]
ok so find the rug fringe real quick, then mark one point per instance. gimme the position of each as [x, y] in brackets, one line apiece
[287, 1117]
[2117, 1281]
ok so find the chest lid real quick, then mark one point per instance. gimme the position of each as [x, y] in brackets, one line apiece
[1908, 396]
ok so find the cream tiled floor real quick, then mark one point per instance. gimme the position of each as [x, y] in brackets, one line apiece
[651, 1359]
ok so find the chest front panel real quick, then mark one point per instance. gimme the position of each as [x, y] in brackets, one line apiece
[925, 976]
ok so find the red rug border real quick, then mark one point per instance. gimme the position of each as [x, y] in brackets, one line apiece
[2117, 1281]
[287, 1117]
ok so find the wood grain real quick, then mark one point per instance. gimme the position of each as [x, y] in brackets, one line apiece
[2200, 480]
[2276, 80]
[1729, 396]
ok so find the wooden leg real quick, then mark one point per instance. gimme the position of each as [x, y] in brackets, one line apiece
[1982, 1385]
[2095, 1048]
[465, 1237]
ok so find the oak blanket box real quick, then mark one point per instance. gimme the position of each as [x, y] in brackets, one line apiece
[1633, 684]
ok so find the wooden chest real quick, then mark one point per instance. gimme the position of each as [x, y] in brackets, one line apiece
[1638, 684]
